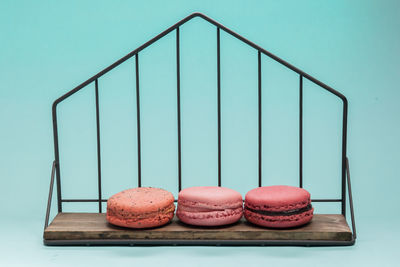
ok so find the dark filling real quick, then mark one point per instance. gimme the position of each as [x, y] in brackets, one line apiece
[281, 213]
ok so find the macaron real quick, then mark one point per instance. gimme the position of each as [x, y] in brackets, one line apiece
[279, 206]
[142, 207]
[209, 206]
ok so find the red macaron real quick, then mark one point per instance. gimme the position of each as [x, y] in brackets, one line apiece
[278, 206]
[142, 207]
[209, 206]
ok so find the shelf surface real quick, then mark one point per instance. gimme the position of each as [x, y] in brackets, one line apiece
[92, 228]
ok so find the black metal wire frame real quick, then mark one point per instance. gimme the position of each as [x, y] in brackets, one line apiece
[260, 52]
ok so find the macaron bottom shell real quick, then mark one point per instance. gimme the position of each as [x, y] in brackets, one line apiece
[210, 218]
[279, 221]
[147, 220]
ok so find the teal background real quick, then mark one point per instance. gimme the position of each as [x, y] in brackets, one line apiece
[47, 48]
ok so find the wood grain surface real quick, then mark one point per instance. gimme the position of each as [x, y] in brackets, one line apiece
[84, 226]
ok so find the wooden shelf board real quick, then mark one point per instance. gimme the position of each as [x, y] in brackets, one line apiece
[93, 226]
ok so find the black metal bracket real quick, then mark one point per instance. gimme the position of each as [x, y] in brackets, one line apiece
[345, 172]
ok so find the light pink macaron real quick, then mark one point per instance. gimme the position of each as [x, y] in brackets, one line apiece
[209, 206]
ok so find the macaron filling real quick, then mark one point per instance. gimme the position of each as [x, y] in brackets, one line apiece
[281, 213]
[203, 214]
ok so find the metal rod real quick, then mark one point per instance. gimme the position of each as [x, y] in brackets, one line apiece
[178, 101]
[193, 242]
[326, 200]
[125, 58]
[219, 104]
[274, 57]
[344, 146]
[138, 121]
[57, 158]
[353, 222]
[83, 200]
[98, 143]
[46, 221]
[105, 200]
[259, 123]
[301, 131]
[219, 26]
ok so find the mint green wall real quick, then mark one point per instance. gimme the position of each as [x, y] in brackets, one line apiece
[47, 48]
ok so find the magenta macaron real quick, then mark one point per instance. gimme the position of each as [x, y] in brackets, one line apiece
[209, 206]
[278, 206]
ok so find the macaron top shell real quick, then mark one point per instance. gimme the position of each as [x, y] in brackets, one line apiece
[211, 195]
[277, 198]
[142, 199]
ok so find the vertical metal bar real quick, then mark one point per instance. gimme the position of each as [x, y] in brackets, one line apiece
[98, 142]
[46, 221]
[57, 157]
[259, 122]
[353, 222]
[301, 131]
[138, 121]
[344, 147]
[219, 104]
[178, 101]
